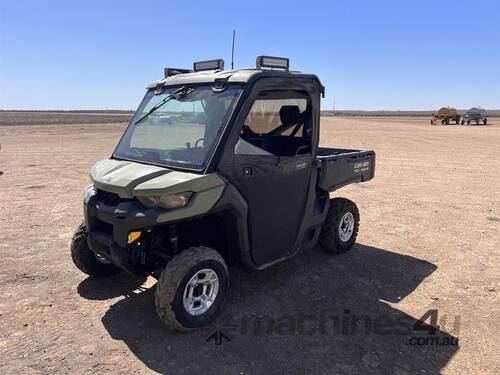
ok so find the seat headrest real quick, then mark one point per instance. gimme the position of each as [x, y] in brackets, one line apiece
[289, 114]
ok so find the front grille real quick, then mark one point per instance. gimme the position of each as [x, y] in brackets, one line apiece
[103, 227]
[110, 199]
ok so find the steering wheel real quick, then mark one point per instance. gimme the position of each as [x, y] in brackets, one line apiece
[199, 140]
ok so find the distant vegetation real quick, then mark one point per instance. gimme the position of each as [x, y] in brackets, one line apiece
[9, 118]
[491, 113]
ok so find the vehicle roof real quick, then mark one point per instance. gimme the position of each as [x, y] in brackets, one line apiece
[236, 76]
[476, 110]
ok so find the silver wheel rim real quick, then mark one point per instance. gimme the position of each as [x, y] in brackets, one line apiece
[200, 292]
[346, 227]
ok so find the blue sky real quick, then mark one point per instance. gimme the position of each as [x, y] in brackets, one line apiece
[369, 54]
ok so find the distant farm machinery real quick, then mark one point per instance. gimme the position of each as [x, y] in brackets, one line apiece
[475, 115]
[447, 115]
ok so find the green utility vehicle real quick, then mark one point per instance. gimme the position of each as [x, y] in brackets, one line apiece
[217, 168]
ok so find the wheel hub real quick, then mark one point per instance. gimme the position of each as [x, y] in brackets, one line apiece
[200, 292]
[346, 226]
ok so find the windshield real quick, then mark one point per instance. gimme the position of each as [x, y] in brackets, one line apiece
[183, 131]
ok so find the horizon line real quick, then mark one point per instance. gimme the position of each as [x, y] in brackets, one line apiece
[322, 110]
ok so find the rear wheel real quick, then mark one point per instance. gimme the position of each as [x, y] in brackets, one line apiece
[191, 289]
[85, 259]
[341, 225]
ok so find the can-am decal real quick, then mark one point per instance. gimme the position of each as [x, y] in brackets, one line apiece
[361, 167]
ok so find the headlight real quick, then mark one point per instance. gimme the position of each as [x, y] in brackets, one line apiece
[169, 201]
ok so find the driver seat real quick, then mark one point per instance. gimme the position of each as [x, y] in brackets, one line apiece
[285, 145]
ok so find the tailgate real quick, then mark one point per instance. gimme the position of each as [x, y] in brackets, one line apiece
[345, 168]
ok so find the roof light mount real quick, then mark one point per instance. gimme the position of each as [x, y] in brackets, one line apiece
[216, 64]
[220, 84]
[174, 71]
[273, 62]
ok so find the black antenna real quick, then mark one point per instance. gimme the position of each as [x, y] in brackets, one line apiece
[232, 51]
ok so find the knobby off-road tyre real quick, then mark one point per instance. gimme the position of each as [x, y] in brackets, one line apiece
[84, 258]
[196, 264]
[341, 225]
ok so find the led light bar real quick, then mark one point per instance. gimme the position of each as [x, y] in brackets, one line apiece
[273, 62]
[217, 64]
[174, 71]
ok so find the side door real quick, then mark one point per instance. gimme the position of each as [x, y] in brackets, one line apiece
[272, 167]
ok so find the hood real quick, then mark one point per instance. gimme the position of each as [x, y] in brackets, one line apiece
[121, 177]
[127, 179]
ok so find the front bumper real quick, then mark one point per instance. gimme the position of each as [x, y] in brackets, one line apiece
[109, 224]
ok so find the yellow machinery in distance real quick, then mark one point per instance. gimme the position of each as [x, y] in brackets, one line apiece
[446, 115]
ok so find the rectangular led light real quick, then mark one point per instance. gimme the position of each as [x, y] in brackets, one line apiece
[174, 71]
[273, 62]
[217, 64]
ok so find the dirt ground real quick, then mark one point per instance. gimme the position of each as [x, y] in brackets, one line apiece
[429, 240]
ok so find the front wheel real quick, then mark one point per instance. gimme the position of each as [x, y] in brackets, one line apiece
[85, 259]
[191, 289]
[341, 225]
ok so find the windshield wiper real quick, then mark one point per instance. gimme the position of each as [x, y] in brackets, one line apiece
[179, 93]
